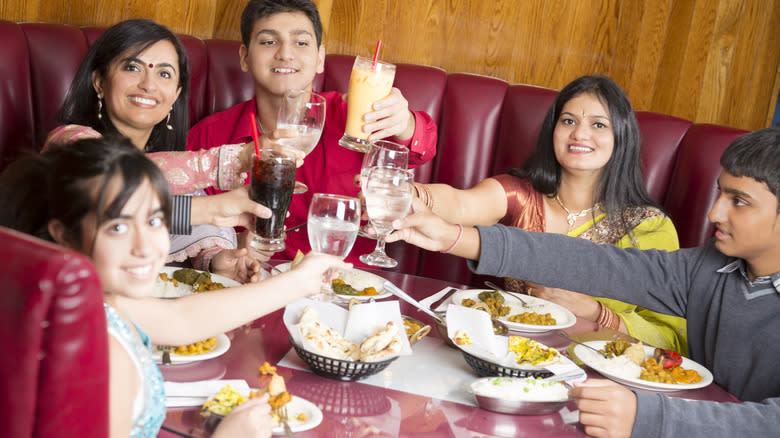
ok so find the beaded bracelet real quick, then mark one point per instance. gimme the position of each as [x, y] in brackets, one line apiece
[457, 239]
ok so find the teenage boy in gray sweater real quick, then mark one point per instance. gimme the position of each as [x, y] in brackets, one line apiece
[729, 291]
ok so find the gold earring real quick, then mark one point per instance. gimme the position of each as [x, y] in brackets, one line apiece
[100, 106]
[168, 121]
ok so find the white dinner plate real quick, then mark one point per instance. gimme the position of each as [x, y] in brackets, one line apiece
[166, 289]
[563, 316]
[357, 279]
[590, 358]
[223, 344]
[298, 406]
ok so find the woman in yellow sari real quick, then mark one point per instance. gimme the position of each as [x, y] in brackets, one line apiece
[583, 180]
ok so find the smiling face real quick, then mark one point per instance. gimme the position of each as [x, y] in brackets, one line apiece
[129, 250]
[140, 89]
[747, 223]
[583, 138]
[282, 54]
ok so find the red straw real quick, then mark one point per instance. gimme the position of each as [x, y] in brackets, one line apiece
[255, 136]
[376, 54]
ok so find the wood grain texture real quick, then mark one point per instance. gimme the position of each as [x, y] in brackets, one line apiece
[703, 60]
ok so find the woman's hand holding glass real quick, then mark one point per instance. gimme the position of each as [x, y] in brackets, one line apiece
[299, 123]
[333, 224]
[388, 193]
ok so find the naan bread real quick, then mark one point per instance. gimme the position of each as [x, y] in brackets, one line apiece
[324, 340]
[381, 344]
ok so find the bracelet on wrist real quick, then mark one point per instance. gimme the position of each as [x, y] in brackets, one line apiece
[457, 239]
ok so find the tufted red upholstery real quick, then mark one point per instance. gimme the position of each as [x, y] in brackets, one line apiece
[54, 366]
[485, 125]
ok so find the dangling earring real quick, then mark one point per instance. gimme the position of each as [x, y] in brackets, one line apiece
[168, 121]
[100, 106]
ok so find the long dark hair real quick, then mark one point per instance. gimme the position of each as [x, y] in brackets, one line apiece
[756, 155]
[67, 183]
[81, 107]
[621, 185]
[257, 9]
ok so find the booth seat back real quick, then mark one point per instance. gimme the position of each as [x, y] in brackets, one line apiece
[486, 125]
[54, 366]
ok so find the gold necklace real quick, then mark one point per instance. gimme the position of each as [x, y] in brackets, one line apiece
[571, 218]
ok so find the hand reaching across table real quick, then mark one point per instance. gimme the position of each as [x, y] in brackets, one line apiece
[607, 409]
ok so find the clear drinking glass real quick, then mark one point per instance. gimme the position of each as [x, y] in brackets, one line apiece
[333, 224]
[301, 114]
[388, 193]
[383, 153]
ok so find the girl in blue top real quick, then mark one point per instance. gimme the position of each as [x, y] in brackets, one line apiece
[104, 198]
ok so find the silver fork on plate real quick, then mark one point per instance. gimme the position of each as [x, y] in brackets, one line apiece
[282, 413]
[166, 353]
[490, 284]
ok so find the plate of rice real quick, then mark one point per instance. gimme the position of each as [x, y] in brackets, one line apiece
[166, 286]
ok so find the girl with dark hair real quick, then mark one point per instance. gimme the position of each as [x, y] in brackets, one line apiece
[582, 180]
[134, 82]
[105, 199]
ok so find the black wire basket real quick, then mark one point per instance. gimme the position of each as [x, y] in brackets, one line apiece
[490, 369]
[340, 369]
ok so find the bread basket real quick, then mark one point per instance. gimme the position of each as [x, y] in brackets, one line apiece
[340, 369]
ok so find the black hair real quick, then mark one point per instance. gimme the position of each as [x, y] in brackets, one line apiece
[621, 185]
[81, 102]
[257, 9]
[756, 155]
[68, 182]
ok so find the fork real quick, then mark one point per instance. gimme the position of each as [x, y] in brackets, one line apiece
[584, 345]
[492, 285]
[282, 413]
[166, 353]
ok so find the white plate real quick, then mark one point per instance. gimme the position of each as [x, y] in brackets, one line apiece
[166, 289]
[589, 358]
[298, 406]
[563, 316]
[357, 279]
[223, 344]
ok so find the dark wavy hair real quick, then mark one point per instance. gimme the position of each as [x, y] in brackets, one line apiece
[257, 9]
[69, 182]
[81, 107]
[621, 185]
[756, 155]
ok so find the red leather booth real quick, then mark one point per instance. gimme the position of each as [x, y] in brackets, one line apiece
[486, 125]
[54, 365]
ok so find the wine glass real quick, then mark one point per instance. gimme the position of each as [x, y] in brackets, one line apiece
[333, 224]
[388, 193]
[383, 153]
[301, 114]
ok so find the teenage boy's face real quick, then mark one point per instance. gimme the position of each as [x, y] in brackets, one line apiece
[746, 220]
[283, 53]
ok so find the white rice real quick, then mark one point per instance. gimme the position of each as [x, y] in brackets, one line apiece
[361, 280]
[619, 366]
[166, 289]
[528, 389]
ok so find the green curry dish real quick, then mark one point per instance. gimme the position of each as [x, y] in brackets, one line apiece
[191, 276]
[342, 288]
[496, 295]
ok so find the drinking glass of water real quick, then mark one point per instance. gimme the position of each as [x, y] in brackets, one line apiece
[382, 153]
[333, 224]
[388, 193]
[301, 116]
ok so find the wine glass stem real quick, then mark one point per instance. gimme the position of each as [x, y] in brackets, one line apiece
[380, 243]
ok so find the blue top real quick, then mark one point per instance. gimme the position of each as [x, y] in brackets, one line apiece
[149, 403]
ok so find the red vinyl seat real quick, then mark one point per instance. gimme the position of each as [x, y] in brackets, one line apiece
[54, 366]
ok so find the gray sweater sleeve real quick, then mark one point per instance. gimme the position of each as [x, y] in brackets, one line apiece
[653, 279]
[659, 415]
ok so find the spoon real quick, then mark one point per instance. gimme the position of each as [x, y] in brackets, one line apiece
[492, 285]
[584, 345]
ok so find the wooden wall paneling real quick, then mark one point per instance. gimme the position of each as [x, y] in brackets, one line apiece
[626, 41]
[551, 44]
[53, 11]
[15, 10]
[652, 26]
[81, 14]
[719, 68]
[771, 58]
[344, 22]
[110, 12]
[669, 70]
[143, 9]
[528, 25]
[192, 17]
[227, 22]
[699, 41]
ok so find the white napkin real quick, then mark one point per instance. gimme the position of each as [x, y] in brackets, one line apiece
[435, 297]
[179, 394]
